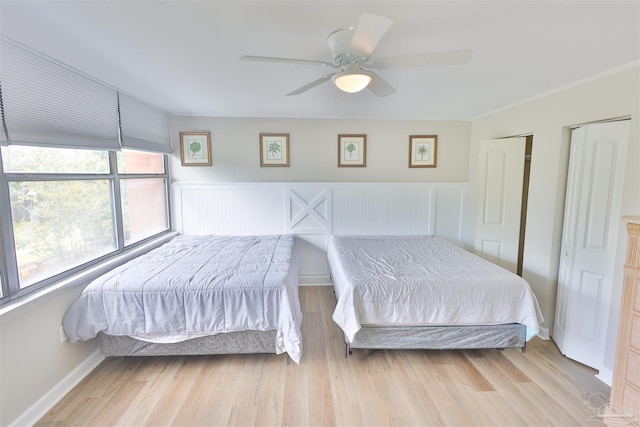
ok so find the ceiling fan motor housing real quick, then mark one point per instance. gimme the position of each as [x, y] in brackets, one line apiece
[339, 42]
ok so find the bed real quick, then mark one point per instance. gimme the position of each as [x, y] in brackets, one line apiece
[196, 295]
[423, 292]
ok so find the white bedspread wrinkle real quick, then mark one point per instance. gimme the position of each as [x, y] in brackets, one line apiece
[422, 280]
[197, 285]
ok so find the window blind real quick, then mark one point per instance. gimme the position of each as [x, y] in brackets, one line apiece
[49, 104]
[143, 127]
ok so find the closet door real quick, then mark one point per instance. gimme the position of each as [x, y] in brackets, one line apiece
[501, 173]
[591, 221]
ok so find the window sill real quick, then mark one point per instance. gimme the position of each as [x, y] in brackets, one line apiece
[31, 301]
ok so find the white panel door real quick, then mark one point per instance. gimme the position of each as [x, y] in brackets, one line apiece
[501, 174]
[589, 240]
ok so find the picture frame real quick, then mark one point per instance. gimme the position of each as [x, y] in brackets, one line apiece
[352, 150]
[423, 150]
[274, 149]
[195, 148]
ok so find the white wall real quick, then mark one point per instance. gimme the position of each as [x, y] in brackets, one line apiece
[314, 150]
[548, 119]
[33, 360]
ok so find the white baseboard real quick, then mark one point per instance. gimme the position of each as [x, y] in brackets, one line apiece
[543, 333]
[605, 375]
[53, 396]
[314, 280]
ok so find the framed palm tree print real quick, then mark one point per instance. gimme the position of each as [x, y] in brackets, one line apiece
[423, 151]
[352, 150]
[195, 148]
[274, 149]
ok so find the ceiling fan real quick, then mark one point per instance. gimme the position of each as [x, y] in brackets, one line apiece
[352, 47]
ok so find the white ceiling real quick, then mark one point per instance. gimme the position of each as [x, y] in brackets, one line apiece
[183, 56]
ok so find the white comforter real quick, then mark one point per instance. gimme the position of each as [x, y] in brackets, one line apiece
[420, 280]
[194, 286]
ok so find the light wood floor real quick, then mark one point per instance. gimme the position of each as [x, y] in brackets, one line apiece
[371, 388]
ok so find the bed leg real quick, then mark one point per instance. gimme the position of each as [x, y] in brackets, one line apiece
[347, 350]
[524, 348]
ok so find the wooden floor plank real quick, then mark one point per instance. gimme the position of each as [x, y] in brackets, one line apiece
[174, 394]
[269, 396]
[544, 366]
[525, 403]
[371, 387]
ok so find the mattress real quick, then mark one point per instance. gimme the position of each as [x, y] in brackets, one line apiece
[422, 280]
[193, 286]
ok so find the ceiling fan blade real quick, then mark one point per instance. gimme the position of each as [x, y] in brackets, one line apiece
[287, 60]
[451, 57]
[366, 36]
[379, 86]
[310, 85]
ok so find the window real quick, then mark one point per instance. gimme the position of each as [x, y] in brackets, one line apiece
[142, 195]
[68, 197]
[70, 208]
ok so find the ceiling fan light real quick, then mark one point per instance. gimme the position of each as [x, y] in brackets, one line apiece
[353, 82]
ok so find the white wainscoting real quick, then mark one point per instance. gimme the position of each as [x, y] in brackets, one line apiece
[314, 211]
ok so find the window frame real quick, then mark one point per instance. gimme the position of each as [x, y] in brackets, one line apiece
[9, 271]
